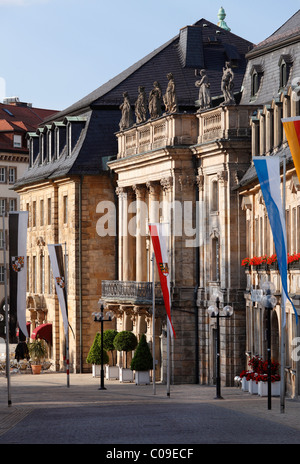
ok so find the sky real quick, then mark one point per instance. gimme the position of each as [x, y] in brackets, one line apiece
[55, 52]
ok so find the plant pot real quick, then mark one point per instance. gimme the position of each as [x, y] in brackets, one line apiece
[245, 384]
[253, 387]
[125, 374]
[96, 369]
[36, 368]
[142, 377]
[112, 372]
[263, 388]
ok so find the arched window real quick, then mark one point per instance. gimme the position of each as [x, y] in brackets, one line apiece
[215, 258]
[256, 78]
[285, 65]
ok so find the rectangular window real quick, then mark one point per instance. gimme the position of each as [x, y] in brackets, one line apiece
[49, 276]
[34, 214]
[12, 175]
[34, 287]
[65, 209]
[42, 274]
[2, 206]
[3, 175]
[1, 274]
[12, 204]
[1, 239]
[17, 141]
[42, 212]
[49, 211]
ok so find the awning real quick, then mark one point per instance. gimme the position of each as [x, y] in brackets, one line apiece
[43, 331]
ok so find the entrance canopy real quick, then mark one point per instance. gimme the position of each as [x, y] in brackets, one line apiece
[43, 331]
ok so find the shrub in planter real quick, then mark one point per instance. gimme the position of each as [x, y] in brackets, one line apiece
[142, 359]
[125, 341]
[108, 342]
[94, 355]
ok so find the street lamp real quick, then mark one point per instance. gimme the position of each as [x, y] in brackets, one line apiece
[269, 301]
[214, 311]
[99, 317]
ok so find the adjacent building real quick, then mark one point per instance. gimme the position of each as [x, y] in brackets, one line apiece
[16, 119]
[271, 87]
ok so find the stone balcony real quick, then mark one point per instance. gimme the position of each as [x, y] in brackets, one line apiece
[130, 292]
[183, 129]
[169, 130]
[224, 122]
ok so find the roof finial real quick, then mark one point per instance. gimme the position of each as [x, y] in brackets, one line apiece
[221, 22]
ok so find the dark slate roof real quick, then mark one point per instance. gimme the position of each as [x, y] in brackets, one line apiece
[201, 45]
[214, 44]
[289, 30]
[267, 55]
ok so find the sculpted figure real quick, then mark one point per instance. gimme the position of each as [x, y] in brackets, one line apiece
[170, 99]
[141, 106]
[227, 85]
[204, 101]
[127, 116]
[155, 101]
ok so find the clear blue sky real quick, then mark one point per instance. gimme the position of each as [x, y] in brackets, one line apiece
[54, 52]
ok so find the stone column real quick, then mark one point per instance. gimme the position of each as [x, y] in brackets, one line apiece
[120, 192]
[127, 238]
[154, 191]
[141, 232]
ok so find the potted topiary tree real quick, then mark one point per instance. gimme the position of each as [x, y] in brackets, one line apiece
[125, 341]
[112, 372]
[142, 362]
[94, 356]
[38, 352]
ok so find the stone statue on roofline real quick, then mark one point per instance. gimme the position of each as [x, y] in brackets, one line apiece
[204, 99]
[227, 85]
[170, 98]
[127, 115]
[155, 101]
[141, 106]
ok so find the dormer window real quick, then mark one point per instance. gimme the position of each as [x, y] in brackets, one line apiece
[17, 141]
[256, 78]
[285, 65]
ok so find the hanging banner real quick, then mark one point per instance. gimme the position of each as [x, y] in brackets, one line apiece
[292, 131]
[57, 265]
[17, 223]
[268, 172]
[159, 238]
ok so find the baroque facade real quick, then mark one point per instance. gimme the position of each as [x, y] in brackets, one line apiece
[78, 168]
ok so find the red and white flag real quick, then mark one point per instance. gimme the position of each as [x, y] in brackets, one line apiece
[159, 238]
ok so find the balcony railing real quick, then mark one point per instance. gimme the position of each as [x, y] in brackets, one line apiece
[130, 292]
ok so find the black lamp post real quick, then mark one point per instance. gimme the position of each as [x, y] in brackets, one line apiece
[269, 302]
[214, 311]
[99, 317]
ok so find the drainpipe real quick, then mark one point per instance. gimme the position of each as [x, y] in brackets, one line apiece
[197, 278]
[80, 271]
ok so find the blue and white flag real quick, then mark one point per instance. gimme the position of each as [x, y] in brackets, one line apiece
[268, 172]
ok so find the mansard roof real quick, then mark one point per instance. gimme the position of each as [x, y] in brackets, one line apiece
[202, 45]
[284, 44]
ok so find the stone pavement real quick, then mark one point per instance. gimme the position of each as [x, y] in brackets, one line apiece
[50, 390]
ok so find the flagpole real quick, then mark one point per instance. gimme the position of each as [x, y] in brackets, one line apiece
[6, 315]
[282, 340]
[153, 324]
[67, 334]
